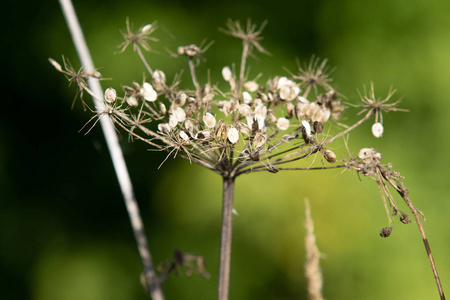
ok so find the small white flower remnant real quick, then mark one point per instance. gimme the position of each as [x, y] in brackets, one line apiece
[164, 127]
[227, 74]
[377, 130]
[55, 64]
[189, 126]
[369, 155]
[259, 140]
[158, 79]
[148, 92]
[132, 101]
[110, 95]
[202, 135]
[184, 136]
[147, 28]
[246, 97]
[209, 120]
[180, 100]
[283, 123]
[251, 86]
[288, 89]
[232, 134]
[307, 127]
[179, 114]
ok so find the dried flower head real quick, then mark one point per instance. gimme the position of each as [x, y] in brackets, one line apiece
[254, 126]
[139, 39]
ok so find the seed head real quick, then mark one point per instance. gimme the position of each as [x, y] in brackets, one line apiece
[377, 130]
[110, 95]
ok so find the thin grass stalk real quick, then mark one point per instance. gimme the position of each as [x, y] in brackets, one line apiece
[118, 160]
[313, 274]
[225, 239]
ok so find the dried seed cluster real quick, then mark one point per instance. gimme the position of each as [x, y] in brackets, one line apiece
[252, 126]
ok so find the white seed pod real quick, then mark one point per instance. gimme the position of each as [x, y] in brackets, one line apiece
[300, 110]
[312, 109]
[209, 120]
[202, 135]
[282, 81]
[329, 156]
[321, 115]
[183, 135]
[208, 98]
[302, 99]
[162, 108]
[377, 130]
[261, 110]
[180, 100]
[289, 92]
[366, 153]
[94, 74]
[158, 79]
[261, 121]
[147, 28]
[179, 114]
[283, 123]
[148, 92]
[132, 101]
[250, 86]
[173, 121]
[227, 74]
[245, 110]
[189, 126]
[164, 127]
[307, 127]
[232, 134]
[181, 50]
[55, 64]
[259, 140]
[110, 95]
[246, 97]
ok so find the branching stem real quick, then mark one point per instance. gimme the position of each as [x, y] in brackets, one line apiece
[404, 193]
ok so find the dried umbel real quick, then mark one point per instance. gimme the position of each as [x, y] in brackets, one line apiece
[251, 126]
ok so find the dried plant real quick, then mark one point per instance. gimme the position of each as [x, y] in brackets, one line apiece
[252, 126]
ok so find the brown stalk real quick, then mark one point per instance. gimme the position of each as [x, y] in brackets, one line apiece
[403, 191]
[225, 239]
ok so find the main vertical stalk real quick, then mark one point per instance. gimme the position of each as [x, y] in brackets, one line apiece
[225, 239]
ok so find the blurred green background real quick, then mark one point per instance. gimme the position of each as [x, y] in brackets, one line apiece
[64, 231]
